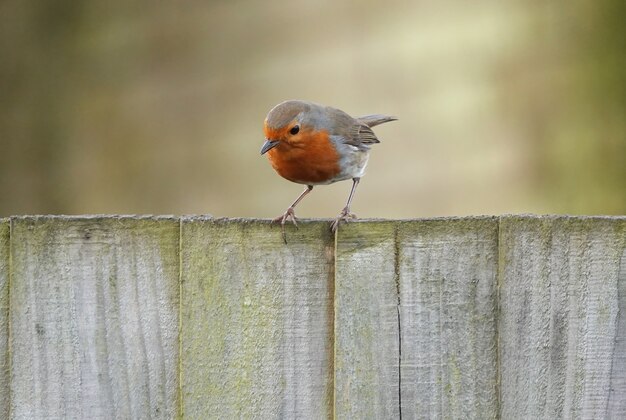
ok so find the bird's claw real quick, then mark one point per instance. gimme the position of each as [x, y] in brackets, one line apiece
[290, 214]
[345, 216]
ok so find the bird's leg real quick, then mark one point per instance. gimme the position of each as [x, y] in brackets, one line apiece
[345, 213]
[290, 214]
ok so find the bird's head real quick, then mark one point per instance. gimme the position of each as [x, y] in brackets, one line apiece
[286, 124]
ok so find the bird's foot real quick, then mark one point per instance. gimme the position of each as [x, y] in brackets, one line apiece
[290, 214]
[345, 216]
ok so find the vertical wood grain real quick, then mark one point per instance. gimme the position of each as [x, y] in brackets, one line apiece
[366, 322]
[447, 274]
[418, 319]
[561, 329]
[4, 319]
[257, 320]
[94, 317]
[617, 387]
[415, 323]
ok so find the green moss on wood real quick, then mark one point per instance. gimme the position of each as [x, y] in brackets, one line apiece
[239, 282]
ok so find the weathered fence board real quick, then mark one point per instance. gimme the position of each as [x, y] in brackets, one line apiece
[562, 331]
[94, 317]
[4, 319]
[366, 323]
[257, 320]
[447, 272]
[415, 319]
[137, 317]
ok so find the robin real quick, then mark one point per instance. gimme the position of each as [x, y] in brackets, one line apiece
[313, 144]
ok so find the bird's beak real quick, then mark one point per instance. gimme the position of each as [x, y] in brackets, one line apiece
[269, 144]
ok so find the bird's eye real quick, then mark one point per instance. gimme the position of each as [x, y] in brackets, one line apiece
[294, 130]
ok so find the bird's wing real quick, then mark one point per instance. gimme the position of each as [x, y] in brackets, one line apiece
[362, 134]
[356, 131]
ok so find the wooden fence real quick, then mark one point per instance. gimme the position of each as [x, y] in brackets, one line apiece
[164, 317]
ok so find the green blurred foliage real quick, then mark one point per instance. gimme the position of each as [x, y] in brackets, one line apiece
[144, 107]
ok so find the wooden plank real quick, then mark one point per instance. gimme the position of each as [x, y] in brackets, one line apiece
[4, 319]
[617, 388]
[415, 319]
[561, 330]
[367, 381]
[94, 313]
[257, 320]
[447, 275]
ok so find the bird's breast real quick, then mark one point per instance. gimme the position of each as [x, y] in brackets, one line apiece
[310, 161]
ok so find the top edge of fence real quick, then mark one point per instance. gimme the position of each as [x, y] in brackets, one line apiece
[90, 217]
[208, 217]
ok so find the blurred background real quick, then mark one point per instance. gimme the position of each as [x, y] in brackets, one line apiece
[157, 107]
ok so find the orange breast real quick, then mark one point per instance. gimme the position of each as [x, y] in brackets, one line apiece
[311, 160]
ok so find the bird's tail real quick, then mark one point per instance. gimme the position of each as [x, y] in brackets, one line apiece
[374, 120]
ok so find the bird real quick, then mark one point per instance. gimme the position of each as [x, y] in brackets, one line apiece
[313, 144]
